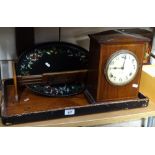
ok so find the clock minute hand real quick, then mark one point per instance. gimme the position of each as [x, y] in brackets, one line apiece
[124, 62]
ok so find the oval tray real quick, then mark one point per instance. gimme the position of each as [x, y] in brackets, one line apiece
[53, 57]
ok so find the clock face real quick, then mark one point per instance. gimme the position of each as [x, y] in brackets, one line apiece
[121, 68]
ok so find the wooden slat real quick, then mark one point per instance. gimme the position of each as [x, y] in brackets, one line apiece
[15, 81]
[53, 78]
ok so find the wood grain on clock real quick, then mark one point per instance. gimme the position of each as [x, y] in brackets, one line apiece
[93, 71]
[119, 92]
[101, 48]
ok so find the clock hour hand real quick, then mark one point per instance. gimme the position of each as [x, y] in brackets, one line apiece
[117, 68]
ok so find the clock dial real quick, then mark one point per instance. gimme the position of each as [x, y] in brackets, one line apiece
[121, 68]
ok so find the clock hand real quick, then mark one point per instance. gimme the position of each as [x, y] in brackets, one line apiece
[124, 62]
[122, 65]
[117, 68]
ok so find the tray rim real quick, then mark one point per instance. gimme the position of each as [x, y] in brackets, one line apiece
[59, 112]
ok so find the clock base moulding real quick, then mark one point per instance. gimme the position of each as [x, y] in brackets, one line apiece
[139, 101]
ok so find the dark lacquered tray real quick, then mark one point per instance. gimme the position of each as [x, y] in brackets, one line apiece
[53, 57]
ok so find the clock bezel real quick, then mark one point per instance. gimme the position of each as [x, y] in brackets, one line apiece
[122, 51]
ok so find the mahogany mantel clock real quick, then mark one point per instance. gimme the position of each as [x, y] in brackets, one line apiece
[115, 64]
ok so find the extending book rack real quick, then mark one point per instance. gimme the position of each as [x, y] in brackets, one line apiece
[52, 78]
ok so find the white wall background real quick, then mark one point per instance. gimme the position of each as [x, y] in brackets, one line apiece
[7, 50]
[7, 43]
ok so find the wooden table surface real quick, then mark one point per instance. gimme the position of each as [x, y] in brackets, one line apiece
[108, 117]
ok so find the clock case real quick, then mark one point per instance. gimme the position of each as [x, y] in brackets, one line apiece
[102, 46]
